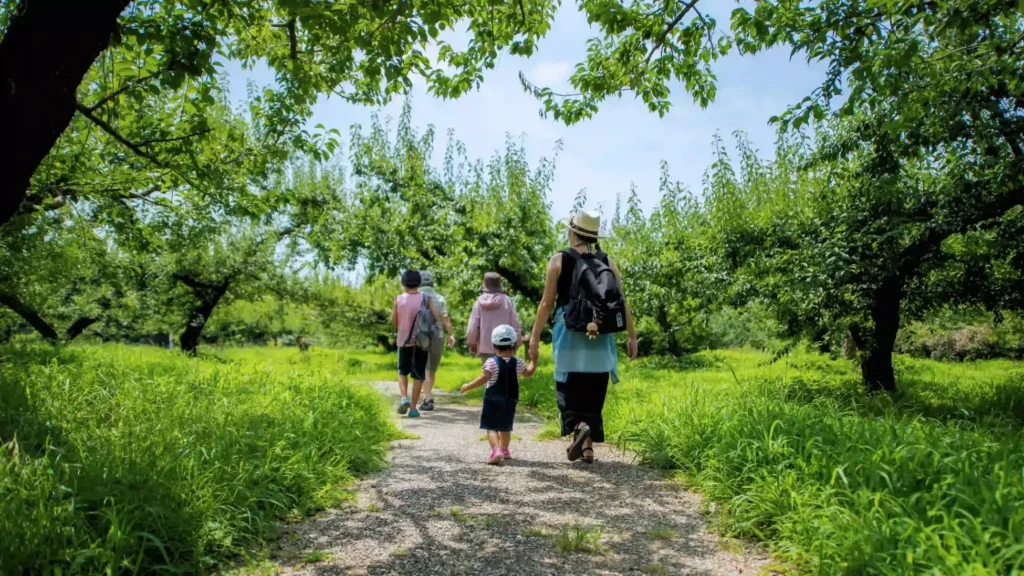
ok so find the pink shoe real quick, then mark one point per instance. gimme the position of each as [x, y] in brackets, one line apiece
[496, 457]
[506, 454]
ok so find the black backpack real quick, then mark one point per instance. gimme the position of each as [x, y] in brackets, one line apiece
[596, 305]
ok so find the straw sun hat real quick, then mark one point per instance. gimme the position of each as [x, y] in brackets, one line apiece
[586, 224]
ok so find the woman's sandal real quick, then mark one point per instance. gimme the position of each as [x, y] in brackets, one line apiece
[588, 459]
[575, 450]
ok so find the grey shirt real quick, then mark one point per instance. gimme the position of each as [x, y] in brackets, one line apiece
[439, 302]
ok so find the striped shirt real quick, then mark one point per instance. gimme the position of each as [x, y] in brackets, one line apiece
[491, 367]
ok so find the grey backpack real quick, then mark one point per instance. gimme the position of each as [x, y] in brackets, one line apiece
[424, 327]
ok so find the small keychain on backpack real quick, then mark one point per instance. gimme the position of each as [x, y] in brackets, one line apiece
[592, 332]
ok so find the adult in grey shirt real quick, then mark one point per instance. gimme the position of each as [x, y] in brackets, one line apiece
[436, 340]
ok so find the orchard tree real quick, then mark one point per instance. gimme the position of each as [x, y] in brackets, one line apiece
[934, 96]
[60, 277]
[460, 221]
[214, 267]
[363, 52]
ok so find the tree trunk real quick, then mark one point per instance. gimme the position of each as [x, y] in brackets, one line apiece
[77, 327]
[386, 343]
[530, 289]
[31, 316]
[189, 339]
[44, 328]
[46, 51]
[876, 351]
[672, 343]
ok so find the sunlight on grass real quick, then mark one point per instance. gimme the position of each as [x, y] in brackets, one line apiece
[133, 456]
[580, 538]
[315, 556]
[663, 534]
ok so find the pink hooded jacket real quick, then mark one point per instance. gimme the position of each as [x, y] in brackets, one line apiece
[489, 312]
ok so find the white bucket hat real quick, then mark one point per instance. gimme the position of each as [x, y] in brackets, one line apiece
[503, 335]
[585, 224]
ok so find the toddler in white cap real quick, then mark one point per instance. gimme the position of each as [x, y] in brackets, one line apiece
[501, 375]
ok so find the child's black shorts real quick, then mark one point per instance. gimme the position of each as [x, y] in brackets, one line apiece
[498, 414]
[412, 362]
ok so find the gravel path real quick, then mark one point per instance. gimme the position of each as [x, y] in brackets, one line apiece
[439, 509]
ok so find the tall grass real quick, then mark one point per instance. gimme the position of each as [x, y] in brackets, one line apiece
[122, 459]
[929, 480]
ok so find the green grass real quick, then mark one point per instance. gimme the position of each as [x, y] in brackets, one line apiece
[535, 532]
[581, 538]
[128, 459]
[315, 556]
[795, 454]
[663, 534]
[837, 481]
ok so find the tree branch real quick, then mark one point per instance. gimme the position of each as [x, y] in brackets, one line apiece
[127, 86]
[29, 315]
[668, 29]
[197, 284]
[916, 253]
[126, 142]
[78, 326]
[175, 139]
[293, 41]
[84, 111]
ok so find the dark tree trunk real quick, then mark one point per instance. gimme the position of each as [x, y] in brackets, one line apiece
[661, 317]
[876, 349]
[529, 288]
[46, 51]
[209, 295]
[31, 316]
[386, 343]
[77, 327]
[189, 339]
[44, 328]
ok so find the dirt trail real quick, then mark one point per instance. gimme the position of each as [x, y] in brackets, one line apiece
[439, 509]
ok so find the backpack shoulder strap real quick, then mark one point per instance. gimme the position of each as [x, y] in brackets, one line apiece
[577, 272]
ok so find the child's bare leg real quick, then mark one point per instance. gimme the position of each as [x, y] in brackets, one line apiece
[403, 385]
[504, 438]
[417, 386]
[493, 439]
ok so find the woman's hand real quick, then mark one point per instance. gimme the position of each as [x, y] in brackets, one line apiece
[632, 349]
[534, 349]
[451, 341]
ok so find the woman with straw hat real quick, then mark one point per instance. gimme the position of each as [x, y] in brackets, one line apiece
[583, 363]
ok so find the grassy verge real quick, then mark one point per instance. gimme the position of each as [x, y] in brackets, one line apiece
[126, 459]
[793, 453]
[836, 481]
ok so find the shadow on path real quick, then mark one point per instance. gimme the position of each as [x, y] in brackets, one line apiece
[440, 509]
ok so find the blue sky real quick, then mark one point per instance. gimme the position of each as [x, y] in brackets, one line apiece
[624, 142]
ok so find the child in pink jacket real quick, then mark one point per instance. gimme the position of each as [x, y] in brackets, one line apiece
[492, 309]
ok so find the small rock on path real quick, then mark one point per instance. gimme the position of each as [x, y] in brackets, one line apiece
[440, 509]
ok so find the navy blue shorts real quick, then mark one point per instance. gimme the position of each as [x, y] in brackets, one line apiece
[412, 362]
[498, 414]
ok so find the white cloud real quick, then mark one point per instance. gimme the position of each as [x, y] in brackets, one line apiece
[550, 72]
